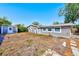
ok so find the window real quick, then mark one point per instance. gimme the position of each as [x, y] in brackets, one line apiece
[49, 29]
[44, 29]
[57, 30]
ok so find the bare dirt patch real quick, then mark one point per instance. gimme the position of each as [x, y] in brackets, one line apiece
[28, 44]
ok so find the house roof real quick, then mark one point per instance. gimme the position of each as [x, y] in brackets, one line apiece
[33, 26]
[9, 25]
[54, 25]
[59, 25]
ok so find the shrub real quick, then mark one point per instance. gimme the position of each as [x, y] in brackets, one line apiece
[21, 28]
[76, 26]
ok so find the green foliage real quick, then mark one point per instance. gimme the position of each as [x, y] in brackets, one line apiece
[70, 12]
[76, 26]
[4, 21]
[35, 23]
[56, 22]
[21, 28]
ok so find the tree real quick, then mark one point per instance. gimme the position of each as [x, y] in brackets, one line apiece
[70, 12]
[4, 21]
[35, 23]
[56, 22]
[21, 28]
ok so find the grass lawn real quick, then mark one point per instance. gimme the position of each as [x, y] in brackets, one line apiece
[28, 44]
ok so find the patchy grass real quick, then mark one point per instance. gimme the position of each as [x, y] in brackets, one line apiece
[29, 44]
[1, 51]
[39, 52]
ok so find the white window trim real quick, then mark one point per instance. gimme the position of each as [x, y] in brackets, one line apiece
[56, 31]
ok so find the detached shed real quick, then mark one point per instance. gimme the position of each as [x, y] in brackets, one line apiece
[7, 29]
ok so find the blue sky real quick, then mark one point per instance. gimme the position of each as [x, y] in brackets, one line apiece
[44, 13]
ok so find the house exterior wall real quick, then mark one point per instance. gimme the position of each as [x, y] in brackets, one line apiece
[32, 29]
[65, 31]
[46, 32]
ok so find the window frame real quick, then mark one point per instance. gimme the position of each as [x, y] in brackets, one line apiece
[50, 30]
[44, 29]
[57, 31]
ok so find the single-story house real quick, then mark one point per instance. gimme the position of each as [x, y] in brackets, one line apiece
[58, 30]
[7, 29]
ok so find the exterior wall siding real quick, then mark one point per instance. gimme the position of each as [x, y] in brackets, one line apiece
[32, 29]
[6, 30]
[46, 32]
[65, 31]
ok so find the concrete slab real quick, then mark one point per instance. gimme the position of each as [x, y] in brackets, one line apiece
[75, 51]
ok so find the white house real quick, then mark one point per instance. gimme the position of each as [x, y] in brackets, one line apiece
[7, 29]
[59, 30]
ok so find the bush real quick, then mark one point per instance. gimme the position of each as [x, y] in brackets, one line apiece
[22, 28]
[77, 29]
[76, 26]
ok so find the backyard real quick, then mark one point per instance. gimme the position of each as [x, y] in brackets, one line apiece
[29, 44]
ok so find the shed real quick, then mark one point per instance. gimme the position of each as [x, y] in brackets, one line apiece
[7, 29]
